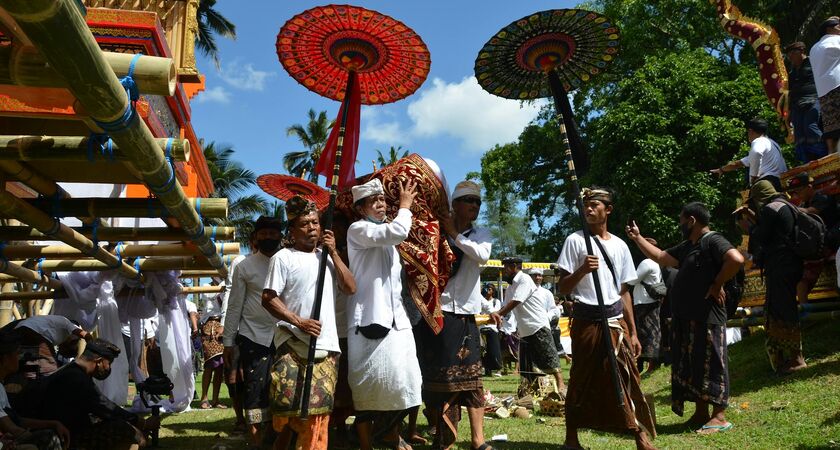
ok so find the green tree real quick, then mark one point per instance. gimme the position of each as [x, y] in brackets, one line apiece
[313, 136]
[393, 156]
[508, 225]
[211, 23]
[231, 180]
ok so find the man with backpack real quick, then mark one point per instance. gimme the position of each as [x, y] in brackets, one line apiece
[781, 237]
[700, 361]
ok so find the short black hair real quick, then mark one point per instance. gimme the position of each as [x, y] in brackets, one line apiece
[758, 125]
[697, 210]
[97, 348]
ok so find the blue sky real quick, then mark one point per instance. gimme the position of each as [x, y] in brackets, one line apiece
[251, 100]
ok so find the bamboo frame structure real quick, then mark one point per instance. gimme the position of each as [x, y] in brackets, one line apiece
[196, 274]
[68, 252]
[202, 289]
[59, 32]
[159, 263]
[25, 66]
[125, 207]
[73, 148]
[30, 276]
[33, 295]
[114, 234]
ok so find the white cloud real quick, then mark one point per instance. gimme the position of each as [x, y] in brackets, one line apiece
[380, 126]
[216, 94]
[244, 77]
[467, 112]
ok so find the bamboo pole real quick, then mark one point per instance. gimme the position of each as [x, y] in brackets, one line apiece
[145, 264]
[68, 252]
[808, 307]
[198, 273]
[114, 234]
[75, 148]
[58, 30]
[26, 275]
[30, 215]
[202, 289]
[32, 295]
[6, 306]
[125, 207]
[25, 66]
[803, 317]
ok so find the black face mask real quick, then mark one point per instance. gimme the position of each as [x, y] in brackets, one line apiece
[685, 230]
[268, 246]
[101, 374]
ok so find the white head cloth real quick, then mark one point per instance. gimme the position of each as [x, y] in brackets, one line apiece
[466, 188]
[534, 271]
[372, 187]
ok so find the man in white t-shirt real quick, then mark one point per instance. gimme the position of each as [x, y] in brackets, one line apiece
[825, 63]
[554, 310]
[39, 337]
[289, 295]
[646, 312]
[536, 343]
[765, 159]
[591, 401]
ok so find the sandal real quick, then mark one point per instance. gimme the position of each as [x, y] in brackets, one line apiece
[218, 405]
[712, 429]
[400, 444]
[205, 405]
[417, 440]
[484, 446]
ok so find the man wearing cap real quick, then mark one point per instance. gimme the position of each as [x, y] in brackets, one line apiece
[71, 397]
[536, 344]
[249, 328]
[591, 401]
[383, 371]
[289, 295]
[765, 159]
[771, 230]
[451, 360]
[804, 107]
[825, 62]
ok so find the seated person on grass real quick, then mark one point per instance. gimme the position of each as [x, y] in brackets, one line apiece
[71, 397]
[16, 430]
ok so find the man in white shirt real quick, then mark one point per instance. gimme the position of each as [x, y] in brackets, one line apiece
[39, 337]
[492, 341]
[536, 344]
[554, 310]
[591, 401]
[289, 295]
[765, 159]
[383, 371]
[825, 62]
[451, 360]
[249, 328]
[646, 312]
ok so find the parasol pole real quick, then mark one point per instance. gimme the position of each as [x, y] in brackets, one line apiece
[322, 268]
[562, 106]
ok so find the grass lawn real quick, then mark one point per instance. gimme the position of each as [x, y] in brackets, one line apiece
[801, 411]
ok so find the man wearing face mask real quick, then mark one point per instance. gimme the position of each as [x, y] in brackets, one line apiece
[250, 328]
[71, 397]
[700, 361]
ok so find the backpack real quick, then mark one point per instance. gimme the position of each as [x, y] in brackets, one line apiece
[808, 240]
[734, 287]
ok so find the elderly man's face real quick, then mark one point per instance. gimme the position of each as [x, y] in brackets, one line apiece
[374, 207]
[467, 207]
[306, 231]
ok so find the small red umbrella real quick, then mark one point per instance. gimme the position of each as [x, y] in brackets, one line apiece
[285, 187]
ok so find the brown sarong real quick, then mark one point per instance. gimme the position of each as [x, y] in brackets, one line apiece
[287, 376]
[591, 401]
[211, 339]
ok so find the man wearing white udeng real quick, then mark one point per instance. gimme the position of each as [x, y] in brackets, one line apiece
[383, 370]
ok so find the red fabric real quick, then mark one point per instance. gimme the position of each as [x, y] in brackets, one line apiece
[426, 255]
[326, 163]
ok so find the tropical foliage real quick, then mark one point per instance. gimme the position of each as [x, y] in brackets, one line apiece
[232, 180]
[313, 136]
[210, 24]
[393, 156]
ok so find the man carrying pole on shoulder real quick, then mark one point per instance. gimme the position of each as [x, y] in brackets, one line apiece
[590, 403]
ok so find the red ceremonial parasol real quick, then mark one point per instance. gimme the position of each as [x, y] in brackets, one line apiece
[285, 187]
[546, 54]
[357, 56]
[339, 48]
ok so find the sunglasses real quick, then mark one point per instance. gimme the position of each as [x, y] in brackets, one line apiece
[474, 200]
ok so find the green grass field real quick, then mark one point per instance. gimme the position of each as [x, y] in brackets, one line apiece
[801, 411]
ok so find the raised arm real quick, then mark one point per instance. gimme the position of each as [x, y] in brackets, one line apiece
[369, 234]
[651, 251]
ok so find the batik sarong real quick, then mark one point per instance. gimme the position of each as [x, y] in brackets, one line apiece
[648, 329]
[830, 108]
[700, 364]
[256, 362]
[784, 336]
[287, 376]
[537, 351]
[591, 399]
[211, 341]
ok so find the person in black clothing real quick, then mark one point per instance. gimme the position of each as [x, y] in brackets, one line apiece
[699, 357]
[802, 191]
[804, 107]
[71, 397]
[770, 234]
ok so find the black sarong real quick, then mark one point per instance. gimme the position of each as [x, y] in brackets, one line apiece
[648, 330]
[700, 364]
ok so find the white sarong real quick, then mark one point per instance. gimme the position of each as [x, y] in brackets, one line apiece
[384, 373]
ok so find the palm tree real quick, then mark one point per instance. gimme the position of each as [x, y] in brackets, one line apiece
[393, 156]
[313, 136]
[210, 23]
[231, 180]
